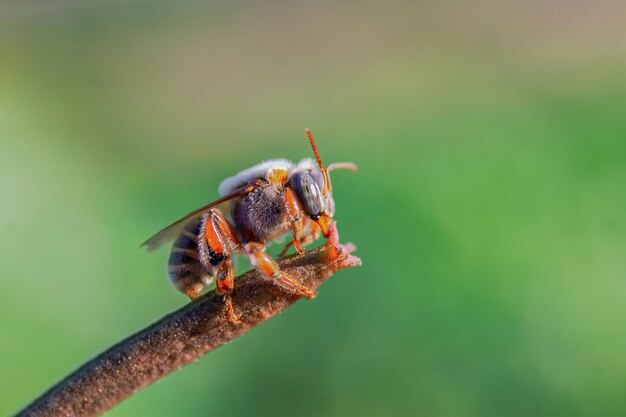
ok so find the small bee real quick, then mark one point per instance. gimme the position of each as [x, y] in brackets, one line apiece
[257, 206]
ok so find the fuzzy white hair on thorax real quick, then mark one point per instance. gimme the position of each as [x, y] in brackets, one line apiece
[259, 170]
[307, 163]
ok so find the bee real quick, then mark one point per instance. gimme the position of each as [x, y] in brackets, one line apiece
[256, 207]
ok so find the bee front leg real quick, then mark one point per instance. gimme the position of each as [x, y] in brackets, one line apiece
[285, 249]
[308, 234]
[270, 269]
[296, 215]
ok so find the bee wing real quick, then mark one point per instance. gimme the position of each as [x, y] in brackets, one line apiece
[170, 232]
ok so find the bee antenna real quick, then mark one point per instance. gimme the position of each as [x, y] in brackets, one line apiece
[317, 155]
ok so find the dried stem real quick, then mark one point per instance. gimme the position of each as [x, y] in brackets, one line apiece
[181, 337]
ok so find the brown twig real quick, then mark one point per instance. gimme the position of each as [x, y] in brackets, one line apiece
[181, 337]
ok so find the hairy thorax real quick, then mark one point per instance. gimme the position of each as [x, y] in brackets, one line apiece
[261, 215]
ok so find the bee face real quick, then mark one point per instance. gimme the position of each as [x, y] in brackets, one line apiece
[309, 187]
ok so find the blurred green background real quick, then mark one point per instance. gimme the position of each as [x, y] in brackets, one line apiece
[489, 208]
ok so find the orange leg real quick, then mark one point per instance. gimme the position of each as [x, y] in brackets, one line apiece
[309, 233]
[216, 246]
[225, 284]
[285, 249]
[296, 215]
[297, 227]
[217, 234]
[269, 268]
[333, 247]
[296, 240]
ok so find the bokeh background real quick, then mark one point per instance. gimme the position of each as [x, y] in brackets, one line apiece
[489, 208]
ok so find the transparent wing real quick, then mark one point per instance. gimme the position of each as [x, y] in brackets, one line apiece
[173, 230]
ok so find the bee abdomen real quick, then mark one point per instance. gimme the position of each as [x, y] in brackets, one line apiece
[184, 267]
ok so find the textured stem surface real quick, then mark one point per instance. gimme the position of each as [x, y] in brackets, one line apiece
[181, 337]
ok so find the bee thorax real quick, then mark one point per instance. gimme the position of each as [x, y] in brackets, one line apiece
[261, 215]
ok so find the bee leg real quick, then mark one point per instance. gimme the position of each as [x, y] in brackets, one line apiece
[269, 268]
[296, 215]
[216, 244]
[225, 284]
[297, 228]
[309, 233]
[285, 249]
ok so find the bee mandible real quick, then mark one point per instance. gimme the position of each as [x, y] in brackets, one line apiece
[257, 206]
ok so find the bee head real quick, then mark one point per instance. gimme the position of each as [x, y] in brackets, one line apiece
[314, 189]
[310, 189]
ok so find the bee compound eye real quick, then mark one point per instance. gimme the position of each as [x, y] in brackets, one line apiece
[318, 177]
[309, 192]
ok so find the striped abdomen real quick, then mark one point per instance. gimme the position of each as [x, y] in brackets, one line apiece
[184, 267]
